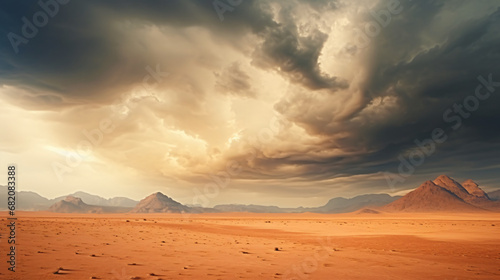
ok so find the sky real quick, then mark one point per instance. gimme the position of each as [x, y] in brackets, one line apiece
[286, 103]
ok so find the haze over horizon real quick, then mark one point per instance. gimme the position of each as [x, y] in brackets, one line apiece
[293, 98]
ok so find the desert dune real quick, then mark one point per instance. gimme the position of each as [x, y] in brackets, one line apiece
[360, 245]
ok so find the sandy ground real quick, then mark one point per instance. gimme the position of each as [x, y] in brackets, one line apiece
[254, 246]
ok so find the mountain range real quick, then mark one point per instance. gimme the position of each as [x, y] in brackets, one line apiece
[31, 201]
[441, 194]
[334, 205]
[71, 204]
[444, 194]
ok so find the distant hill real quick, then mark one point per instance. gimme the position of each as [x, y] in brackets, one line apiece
[251, 208]
[334, 205]
[444, 195]
[160, 203]
[367, 211]
[71, 204]
[101, 201]
[346, 205]
[121, 202]
[26, 200]
[494, 195]
[31, 201]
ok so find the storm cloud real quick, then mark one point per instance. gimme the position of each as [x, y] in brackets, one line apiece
[286, 89]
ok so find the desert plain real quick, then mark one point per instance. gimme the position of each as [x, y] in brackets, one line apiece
[255, 246]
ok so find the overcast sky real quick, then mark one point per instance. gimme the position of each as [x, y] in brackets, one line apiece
[274, 102]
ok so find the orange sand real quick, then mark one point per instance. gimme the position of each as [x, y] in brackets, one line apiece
[243, 246]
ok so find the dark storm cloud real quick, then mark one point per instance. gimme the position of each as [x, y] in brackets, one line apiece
[423, 79]
[80, 53]
[287, 51]
[429, 81]
[73, 55]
